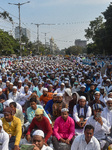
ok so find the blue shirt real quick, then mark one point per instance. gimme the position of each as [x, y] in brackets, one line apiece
[48, 107]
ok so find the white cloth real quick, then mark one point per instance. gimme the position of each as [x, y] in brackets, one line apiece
[108, 89]
[21, 89]
[99, 131]
[14, 97]
[59, 90]
[4, 140]
[80, 144]
[107, 114]
[46, 148]
[81, 111]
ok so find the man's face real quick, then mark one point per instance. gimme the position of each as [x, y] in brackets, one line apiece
[39, 117]
[82, 89]
[54, 98]
[8, 117]
[92, 87]
[82, 102]
[60, 98]
[97, 96]
[38, 141]
[14, 91]
[88, 134]
[0, 92]
[12, 106]
[110, 95]
[64, 115]
[62, 86]
[45, 93]
[33, 105]
[26, 89]
[109, 104]
[0, 81]
[102, 91]
[96, 112]
[19, 84]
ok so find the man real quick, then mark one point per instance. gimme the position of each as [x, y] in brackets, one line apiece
[38, 141]
[81, 113]
[4, 138]
[61, 89]
[12, 125]
[90, 93]
[48, 107]
[63, 129]
[107, 111]
[46, 96]
[14, 95]
[86, 141]
[17, 112]
[100, 124]
[31, 110]
[2, 96]
[40, 122]
[58, 106]
[20, 88]
[96, 100]
[82, 91]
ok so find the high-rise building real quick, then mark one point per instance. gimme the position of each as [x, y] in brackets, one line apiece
[81, 43]
[24, 32]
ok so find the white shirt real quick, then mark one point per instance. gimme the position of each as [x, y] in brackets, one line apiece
[81, 111]
[80, 144]
[99, 130]
[14, 97]
[46, 148]
[60, 91]
[4, 140]
[107, 114]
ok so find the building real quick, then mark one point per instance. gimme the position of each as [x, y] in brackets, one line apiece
[24, 32]
[53, 46]
[81, 43]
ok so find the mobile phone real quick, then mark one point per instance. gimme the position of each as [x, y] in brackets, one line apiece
[27, 147]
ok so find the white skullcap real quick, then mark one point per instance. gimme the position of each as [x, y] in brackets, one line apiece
[64, 109]
[45, 89]
[97, 92]
[7, 102]
[108, 80]
[0, 90]
[8, 81]
[88, 80]
[39, 132]
[20, 81]
[72, 77]
[104, 76]
[11, 83]
[82, 97]
[62, 84]
[109, 99]
[59, 94]
[83, 86]
[0, 78]
[14, 87]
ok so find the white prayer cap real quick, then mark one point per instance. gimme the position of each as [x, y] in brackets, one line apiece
[0, 90]
[72, 77]
[39, 132]
[109, 99]
[108, 80]
[8, 81]
[64, 109]
[50, 85]
[59, 94]
[14, 87]
[88, 80]
[45, 89]
[26, 85]
[11, 83]
[62, 84]
[104, 76]
[7, 102]
[97, 92]
[68, 91]
[82, 97]
[20, 81]
[83, 86]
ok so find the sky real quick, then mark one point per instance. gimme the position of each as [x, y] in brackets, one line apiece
[68, 18]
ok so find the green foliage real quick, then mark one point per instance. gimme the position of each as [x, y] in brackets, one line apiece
[75, 50]
[101, 33]
[5, 15]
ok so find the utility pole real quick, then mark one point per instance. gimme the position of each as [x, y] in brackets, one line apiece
[19, 4]
[38, 33]
[45, 33]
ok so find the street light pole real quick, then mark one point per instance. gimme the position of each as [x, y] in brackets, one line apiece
[45, 33]
[19, 4]
[38, 33]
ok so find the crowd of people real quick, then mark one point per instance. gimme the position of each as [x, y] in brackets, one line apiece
[55, 104]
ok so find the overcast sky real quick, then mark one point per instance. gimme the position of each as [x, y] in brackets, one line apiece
[70, 18]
